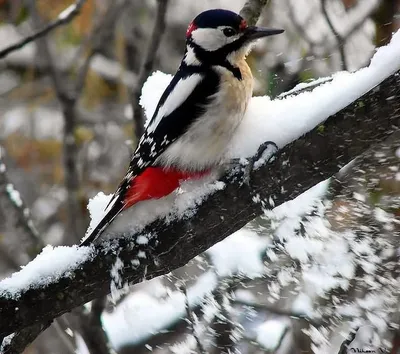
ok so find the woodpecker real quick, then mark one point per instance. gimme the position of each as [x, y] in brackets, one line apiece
[197, 115]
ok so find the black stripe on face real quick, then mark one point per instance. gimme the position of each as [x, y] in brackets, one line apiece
[217, 57]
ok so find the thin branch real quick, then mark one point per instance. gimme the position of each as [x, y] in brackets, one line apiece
[340, 39]
[68, 104]
[17, 342]
[63, 336]
[91, 327]
[299, 165]
[23, 213]
[322, 43]
[192, 321]
[223, 324]
[96, 40]
[252, 9]
[277, 311]
[148, 64]
[63, 18]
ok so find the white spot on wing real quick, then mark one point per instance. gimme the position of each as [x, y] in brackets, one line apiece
[179, 94]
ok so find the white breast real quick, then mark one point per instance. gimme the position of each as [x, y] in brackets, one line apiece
[205, 144]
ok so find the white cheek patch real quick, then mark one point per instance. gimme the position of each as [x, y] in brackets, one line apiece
[209, 38]
[178, 95]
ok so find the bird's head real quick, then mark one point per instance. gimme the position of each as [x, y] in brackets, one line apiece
[216, 35]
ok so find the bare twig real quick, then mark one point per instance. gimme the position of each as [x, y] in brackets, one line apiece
[192, 321]
[276, 310]
[252, 9]
[96, 40]
[340, 39]
[63, 18]
[154, 43]
[68, 105]
[69, 345]
[322, 43]
[91, 327]
[223, 324]
[23, 213]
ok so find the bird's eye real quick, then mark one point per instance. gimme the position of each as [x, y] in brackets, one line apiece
[229, 32]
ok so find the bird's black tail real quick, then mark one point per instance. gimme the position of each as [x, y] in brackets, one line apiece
[102, 225]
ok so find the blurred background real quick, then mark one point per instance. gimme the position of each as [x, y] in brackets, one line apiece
[70, 118]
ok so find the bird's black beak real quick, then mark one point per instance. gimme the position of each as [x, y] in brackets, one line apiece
[252, 33]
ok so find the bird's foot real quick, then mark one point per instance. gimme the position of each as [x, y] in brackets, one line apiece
[265, 154]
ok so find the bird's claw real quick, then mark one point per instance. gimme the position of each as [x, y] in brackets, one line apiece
[265, 153]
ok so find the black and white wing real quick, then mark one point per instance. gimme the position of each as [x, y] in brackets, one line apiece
[183, 101]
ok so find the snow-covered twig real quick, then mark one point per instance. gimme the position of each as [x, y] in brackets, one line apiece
[62, 19]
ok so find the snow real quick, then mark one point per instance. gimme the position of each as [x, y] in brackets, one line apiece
[81, 347]
[122, 324]
[303, 305]
[366, 340]
[270, 333]
[6, 341]
[239, 253]
[96, 207]
[284, 120]
[180, 204]
[67, 12]
[50, 265]
[281, 120]
[14, 195]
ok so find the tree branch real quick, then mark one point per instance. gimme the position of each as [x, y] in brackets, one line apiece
[21, 213]
[192, 321]
[300, 165]
[63, 18]
[20, 339]
[338, 36]
[252, 9]
[92, 328]
[154, 43]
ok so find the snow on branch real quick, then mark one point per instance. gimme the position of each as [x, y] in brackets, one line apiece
[318, 132]
[63, 18]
